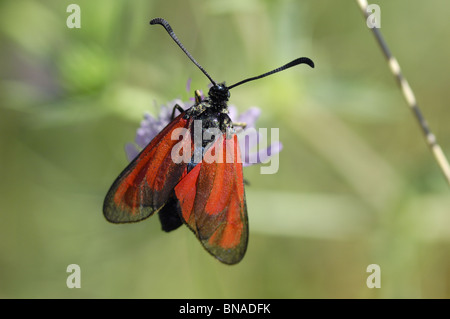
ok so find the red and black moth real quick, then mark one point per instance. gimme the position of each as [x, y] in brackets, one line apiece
[208, 196]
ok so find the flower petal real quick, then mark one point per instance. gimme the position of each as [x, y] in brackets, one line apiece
[263, 156]
[131, 151]
[250, 116]
[188, 85]
[248, 140]
[233, 113]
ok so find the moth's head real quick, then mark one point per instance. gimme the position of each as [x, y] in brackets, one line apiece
[219, 93]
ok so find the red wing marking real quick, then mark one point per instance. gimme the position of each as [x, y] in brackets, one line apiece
[147, 182]
[212, 202]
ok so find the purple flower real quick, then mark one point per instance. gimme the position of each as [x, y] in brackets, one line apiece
[150, 127]
[249, 138]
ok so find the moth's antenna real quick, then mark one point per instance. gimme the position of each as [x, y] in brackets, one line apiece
[409, 96]
[281, 68]
[172, 34]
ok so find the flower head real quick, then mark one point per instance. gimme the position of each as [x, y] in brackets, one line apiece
[249, 138]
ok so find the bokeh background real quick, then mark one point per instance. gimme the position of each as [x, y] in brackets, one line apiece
[357, 184]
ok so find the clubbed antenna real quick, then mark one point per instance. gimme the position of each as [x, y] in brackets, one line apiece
[281, 68]
[172, 34]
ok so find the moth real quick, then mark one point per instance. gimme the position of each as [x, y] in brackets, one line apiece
[205, 189]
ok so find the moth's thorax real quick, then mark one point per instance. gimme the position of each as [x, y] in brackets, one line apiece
[213, 110]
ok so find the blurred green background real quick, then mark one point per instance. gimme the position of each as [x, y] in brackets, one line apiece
[357, 184]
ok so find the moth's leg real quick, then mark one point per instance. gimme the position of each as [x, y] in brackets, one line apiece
[198, 96]
[176, 107]
[240, 124]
